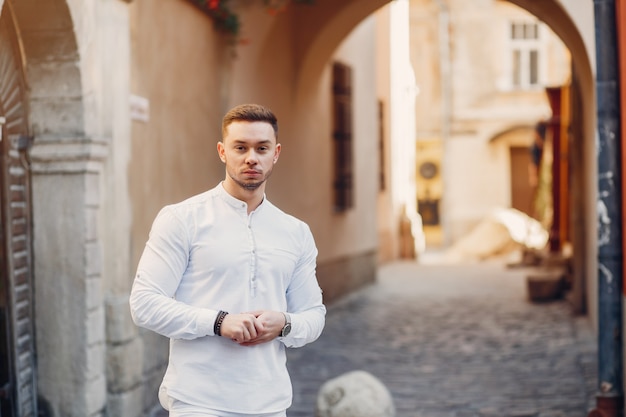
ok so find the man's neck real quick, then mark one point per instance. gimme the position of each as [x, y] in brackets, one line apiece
[253, 198]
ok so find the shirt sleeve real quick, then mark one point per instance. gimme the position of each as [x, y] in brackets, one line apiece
[160, 270]
[304, 298]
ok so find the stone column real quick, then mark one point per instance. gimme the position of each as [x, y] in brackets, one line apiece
[66, 174]
[124, 348]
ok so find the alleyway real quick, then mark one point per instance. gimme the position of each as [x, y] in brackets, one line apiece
[454, 341]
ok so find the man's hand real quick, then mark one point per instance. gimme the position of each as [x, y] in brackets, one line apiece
[271, 323]
[241, 328]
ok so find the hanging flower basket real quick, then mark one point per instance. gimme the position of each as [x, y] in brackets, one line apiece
[225, 18]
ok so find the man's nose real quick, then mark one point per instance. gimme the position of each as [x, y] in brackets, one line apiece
[252, 157]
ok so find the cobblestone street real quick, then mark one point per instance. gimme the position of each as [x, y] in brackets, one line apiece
[454, 341]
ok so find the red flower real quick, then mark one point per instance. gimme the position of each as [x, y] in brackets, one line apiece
[214, 4]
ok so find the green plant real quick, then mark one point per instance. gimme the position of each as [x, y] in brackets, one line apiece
[225, 18]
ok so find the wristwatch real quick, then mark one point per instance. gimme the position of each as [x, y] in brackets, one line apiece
[287, 328]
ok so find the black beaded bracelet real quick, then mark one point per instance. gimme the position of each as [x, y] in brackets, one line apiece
[217, 327]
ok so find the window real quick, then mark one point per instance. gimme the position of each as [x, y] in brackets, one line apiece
[381, 147]
[342, 137]
[525, 56]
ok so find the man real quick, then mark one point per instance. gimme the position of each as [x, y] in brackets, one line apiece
[230, 279]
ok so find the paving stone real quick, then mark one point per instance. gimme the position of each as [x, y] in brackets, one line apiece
[454, 340]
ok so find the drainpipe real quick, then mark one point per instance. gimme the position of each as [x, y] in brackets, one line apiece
[446, 101]
[444, 67]
[610, 398]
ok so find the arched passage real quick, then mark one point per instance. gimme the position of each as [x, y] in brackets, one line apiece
[319, 30]
[51, 57]
[322, 28]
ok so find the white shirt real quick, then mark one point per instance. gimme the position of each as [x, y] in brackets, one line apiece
[207, 254]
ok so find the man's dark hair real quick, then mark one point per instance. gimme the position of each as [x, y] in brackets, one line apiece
[250, 113]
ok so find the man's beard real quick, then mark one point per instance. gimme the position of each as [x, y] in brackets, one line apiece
[250, 186]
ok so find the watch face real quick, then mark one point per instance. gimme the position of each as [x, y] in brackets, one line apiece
[286, 330]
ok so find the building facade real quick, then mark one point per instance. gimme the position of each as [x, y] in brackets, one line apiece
[482, 90]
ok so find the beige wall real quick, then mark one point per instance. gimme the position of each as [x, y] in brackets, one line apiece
[264, 72]
[388, 236]
[176, 65]
[302, 182]
[358, 51]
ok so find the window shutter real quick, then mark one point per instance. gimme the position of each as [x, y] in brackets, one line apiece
[18, 395]
[342, 137]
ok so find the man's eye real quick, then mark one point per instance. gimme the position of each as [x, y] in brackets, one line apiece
[263, 148]
[239, 148]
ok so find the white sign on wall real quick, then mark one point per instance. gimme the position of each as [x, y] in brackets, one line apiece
[139, 108]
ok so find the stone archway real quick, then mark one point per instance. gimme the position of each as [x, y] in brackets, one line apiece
[320, 30]
[53, 73]
[65, 164]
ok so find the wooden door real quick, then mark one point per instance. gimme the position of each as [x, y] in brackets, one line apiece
[522, 192]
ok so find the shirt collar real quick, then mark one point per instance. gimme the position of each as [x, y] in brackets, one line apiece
[233, 201]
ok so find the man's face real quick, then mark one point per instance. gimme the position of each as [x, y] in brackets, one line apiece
[249, 151]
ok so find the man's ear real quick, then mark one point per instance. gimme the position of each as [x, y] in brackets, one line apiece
[277, 152]
[220, 151]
